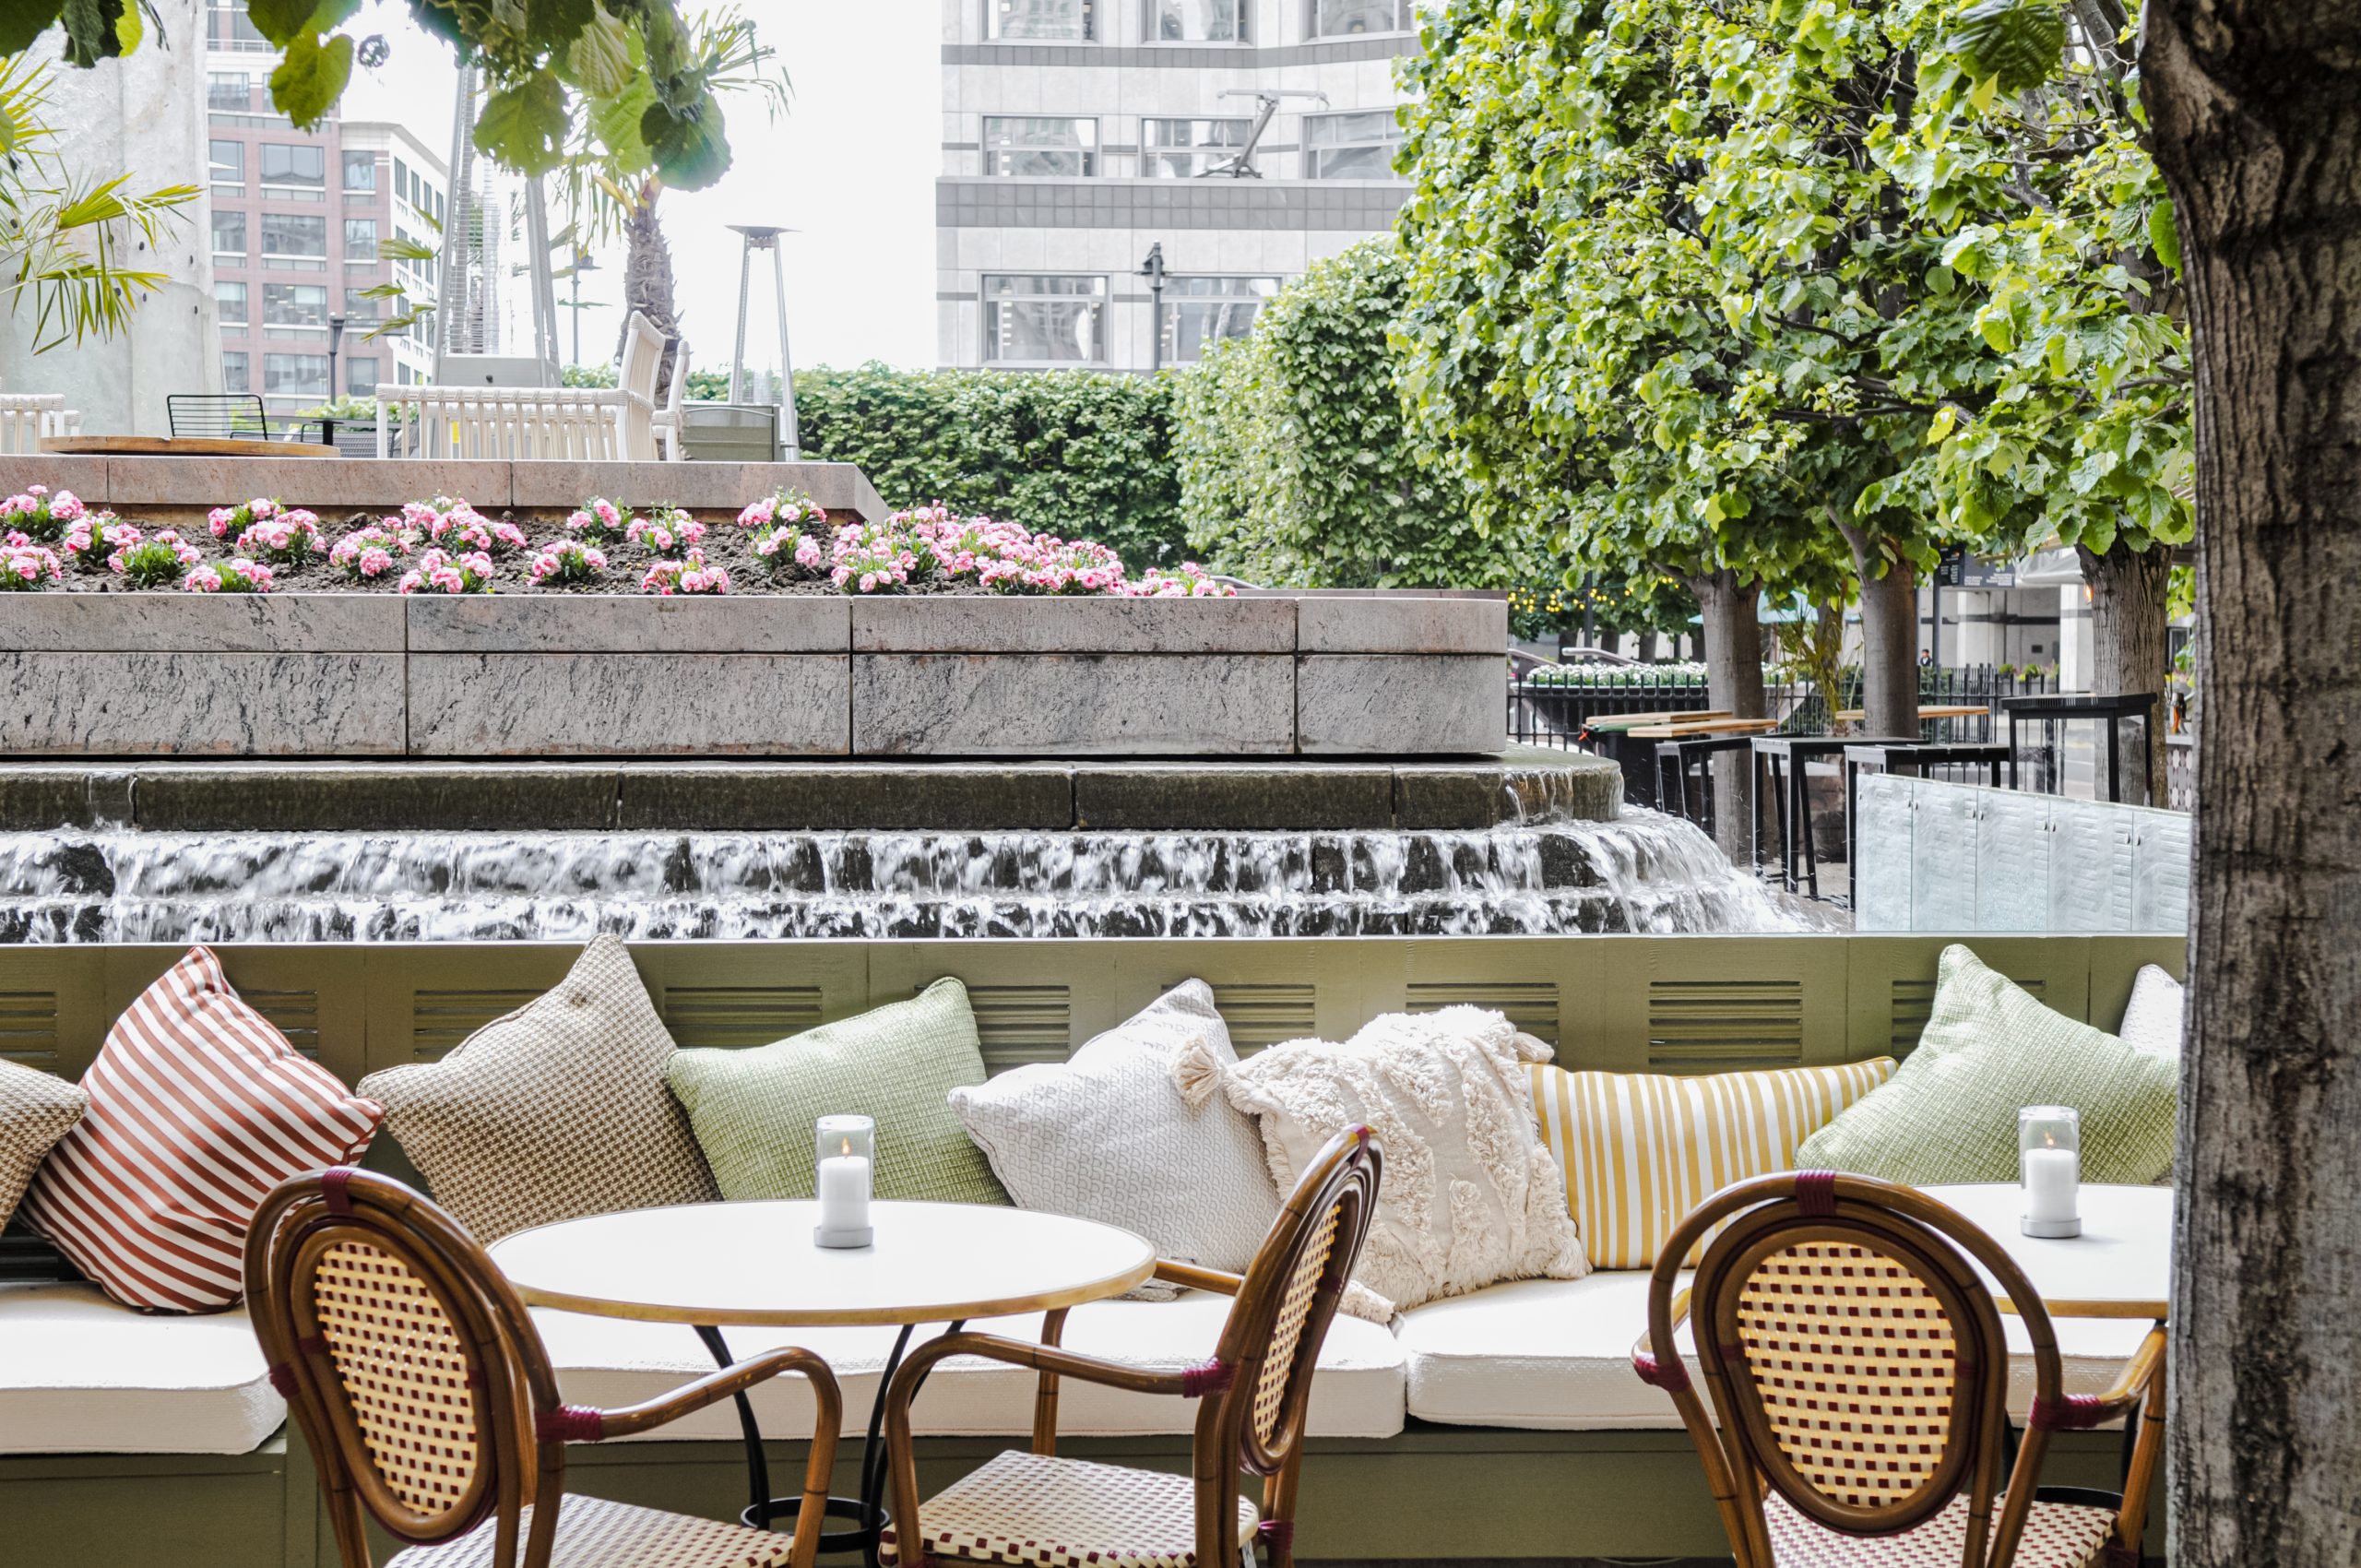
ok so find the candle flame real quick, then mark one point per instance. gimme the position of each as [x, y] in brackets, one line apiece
[2049, 1138]
[845, 1147]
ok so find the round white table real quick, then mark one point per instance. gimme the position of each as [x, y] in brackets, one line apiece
[712, 1265]
[2120, 1266]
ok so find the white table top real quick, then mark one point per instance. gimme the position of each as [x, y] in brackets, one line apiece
[2119, 1266]
[754, 1262]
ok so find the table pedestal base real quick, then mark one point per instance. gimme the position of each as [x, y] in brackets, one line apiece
[868, 1510]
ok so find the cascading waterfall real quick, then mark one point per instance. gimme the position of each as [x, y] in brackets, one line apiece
[1643, 873]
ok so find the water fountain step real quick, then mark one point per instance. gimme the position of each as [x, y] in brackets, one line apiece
[768, 797]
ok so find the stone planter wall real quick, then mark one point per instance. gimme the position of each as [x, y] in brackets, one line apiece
[330, 675]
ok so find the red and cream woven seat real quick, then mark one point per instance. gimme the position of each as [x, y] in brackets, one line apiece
[427, 1401]
[2058, 1535]
[594, 1533]
[1858, 1376]
[1036, 1509]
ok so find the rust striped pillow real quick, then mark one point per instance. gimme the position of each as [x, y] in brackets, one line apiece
[198, 1108]
[1639, 1150]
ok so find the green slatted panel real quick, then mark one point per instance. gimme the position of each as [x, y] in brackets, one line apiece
[1914, 1004]
[1018, 1024]
[29, 1027]
[1531, 1005]
[1717, 1025]
[738, 1014]
[1265, 1015]
[441, 1019]
[295, 1014]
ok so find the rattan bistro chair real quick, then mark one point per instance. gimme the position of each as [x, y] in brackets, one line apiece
[1859, 1381]
[1035, 1508]
[427, 1401]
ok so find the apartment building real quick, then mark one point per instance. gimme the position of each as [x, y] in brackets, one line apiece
[1243, 139]
[296, 217]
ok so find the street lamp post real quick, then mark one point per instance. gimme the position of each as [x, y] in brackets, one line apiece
[335, 340]
[582, 264]
[1152, 271]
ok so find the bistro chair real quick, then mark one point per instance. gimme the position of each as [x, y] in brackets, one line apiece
[1860, 1383]
[427, 1401]
[1036, 1508]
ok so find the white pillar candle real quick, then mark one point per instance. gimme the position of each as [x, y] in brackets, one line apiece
[844, 1202]
[2049, 1171]
[2051, 1179]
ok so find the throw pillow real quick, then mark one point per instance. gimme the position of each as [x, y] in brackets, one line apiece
[553, 1111]
[2151, 1019]
[198, 1108]
[36, 1109]
[1471, 1196]
[754, 1110]
[1108, 1136]
[1949, 1111]
[1639, 1150]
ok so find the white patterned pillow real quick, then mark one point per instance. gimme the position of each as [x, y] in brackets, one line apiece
[1472, 1195]
[36, 1109]
[1107, 1134]
[2152, 1021]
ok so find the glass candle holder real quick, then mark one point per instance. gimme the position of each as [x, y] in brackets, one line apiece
[2049, 1170]
[844, 1152]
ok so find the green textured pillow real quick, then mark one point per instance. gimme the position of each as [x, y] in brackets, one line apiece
[753, 1111]
[1949, 1111]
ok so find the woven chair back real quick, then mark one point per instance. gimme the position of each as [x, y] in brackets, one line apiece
[408, 1361]
[1854, 1356]
[1290, 1293]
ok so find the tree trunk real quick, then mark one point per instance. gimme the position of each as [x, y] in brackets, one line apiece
[2127, 622]
[2256, 106]
[1889, 636]
[1733, 638]
[648, 280]
[1647, 647]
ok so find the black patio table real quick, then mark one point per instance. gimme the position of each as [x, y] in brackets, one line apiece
[1786, 759]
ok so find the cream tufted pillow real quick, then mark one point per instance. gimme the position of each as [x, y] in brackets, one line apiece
[1472, 1195]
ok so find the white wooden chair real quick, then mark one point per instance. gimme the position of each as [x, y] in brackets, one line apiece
[666, 419]
[539, 424]
[27, 417]
[643, 356]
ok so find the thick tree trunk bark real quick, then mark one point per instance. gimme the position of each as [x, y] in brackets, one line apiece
[2127, 622]
[1889, 636]
[1733, 679]
[2257, 110]
[647, 278]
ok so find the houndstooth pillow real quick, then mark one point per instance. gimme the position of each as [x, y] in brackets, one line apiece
[555, 1111]
[36, 1109]
[1107, 1135]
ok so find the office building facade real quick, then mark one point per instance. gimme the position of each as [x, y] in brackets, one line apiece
[1079, 133]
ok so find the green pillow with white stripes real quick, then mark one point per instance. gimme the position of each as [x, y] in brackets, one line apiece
[1949, 1111]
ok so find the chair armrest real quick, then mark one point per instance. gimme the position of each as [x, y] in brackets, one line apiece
[1190, 1381]
[719, 1385]
[1197, 1278]
[2133, 1384]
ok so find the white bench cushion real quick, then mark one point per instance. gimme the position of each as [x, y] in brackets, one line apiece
[1356, 1391]
[1556, 1355]
[80, 1375]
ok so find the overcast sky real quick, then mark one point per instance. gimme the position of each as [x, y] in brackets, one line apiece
[851, 165]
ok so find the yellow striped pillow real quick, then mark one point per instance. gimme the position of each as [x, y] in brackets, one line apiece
[1639, 1150]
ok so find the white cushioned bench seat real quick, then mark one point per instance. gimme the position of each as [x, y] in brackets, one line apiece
[1556, 1355]
[1356, 1391]
[80, 1375]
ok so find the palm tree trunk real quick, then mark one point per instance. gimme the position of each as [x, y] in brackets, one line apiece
[647, 278]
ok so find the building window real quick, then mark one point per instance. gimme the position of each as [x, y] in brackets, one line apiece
[295, 375]
[285, 163]
[229, 303]
[360, 238]
[228, 233]
[1036, 147]
[232, 29]
[290, 234]
[1343, 18]
[295, 304]
[226, 90]
[358, 308]
[1181, 149]
[1359, 146]
[1201, 312]
[360, 376]
[1049, 21]
[1195, 21]
[1044, 320]
[233, 373]
[227, 162]
[359, 171]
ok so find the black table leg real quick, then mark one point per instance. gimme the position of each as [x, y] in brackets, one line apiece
[758, 1470]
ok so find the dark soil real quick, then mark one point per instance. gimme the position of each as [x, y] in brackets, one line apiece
[725, 545]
